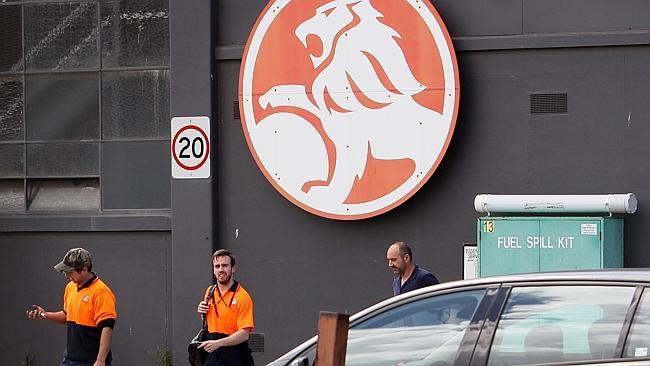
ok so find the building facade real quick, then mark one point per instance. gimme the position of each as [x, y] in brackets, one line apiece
[553, 100]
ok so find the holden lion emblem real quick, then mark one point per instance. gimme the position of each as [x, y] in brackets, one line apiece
[348, 106]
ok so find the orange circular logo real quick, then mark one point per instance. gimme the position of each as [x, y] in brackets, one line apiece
[348, 106]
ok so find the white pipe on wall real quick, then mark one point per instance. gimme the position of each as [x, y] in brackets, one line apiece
[606, 203]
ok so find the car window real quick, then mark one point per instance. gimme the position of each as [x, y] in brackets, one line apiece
[638, 341]
[560, 324]
[423, 332]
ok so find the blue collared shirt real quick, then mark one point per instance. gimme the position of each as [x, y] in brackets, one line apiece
[418, 279]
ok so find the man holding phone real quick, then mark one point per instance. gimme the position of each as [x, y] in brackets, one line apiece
[88, 310]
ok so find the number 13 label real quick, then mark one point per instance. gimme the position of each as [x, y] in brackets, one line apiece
[488, 226]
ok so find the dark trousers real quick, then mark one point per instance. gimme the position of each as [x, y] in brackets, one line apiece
[238, 355]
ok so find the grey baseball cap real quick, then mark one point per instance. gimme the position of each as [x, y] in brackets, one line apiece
[75, 258]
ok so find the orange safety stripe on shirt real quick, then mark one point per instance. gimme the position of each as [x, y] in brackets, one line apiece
[89, 305]
[231, 318]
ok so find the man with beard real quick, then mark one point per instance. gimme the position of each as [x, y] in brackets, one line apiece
[229, 315]
[409, 276]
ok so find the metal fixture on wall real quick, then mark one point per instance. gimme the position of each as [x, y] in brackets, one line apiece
[606, 203]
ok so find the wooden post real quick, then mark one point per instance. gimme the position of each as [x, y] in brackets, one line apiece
[332, 339]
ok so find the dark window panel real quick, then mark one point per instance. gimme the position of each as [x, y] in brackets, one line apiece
[62, 159]
[12, 195]
[11, 109]
[11, 160]
[63, 194]
[62, 107]
[135, 33]
[135, 104]
[136, 175]
[11, 35]
[61, 36]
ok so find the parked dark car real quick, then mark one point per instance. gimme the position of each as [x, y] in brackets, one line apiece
[562, 318]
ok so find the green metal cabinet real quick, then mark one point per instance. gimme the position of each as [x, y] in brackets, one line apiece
[509, 245]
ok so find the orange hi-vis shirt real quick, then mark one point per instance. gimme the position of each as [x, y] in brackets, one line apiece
[231, 311]
[88, 310]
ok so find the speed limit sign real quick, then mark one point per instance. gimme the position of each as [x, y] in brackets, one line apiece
[190, 147]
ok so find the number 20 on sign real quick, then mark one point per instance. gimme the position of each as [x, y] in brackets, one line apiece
[190, 147]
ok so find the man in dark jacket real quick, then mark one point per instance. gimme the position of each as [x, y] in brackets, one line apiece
[408, 276]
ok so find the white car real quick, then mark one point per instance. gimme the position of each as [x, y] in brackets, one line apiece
[599, 317]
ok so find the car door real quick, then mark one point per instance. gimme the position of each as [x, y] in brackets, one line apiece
[557, 323]
[426, 330]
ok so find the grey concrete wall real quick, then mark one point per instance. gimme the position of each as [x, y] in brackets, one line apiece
[192, 199]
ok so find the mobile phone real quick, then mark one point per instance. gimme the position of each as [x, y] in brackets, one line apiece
[38, 314]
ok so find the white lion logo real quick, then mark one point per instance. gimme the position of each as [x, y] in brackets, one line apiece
[362, 98]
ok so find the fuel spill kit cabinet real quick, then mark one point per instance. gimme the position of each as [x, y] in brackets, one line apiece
[536, 244]
[519, 243]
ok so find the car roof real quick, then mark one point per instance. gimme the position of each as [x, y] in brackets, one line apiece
[632, 275]
[610, 275]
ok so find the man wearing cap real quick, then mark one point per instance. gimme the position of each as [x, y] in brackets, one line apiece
[88, 310]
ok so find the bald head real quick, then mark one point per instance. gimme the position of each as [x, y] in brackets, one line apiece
[403, 249]
[400, 257]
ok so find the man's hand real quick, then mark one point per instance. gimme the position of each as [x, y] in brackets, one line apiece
[99, 363]
[203, 307]
[37, 312]
[210, 346]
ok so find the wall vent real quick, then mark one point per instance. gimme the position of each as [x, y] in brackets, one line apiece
[256, 342]
[235, 109]
[548, 103]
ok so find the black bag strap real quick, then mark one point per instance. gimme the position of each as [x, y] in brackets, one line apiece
[210, 297]
[211, 294]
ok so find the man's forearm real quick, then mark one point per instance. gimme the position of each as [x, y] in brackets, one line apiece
[235, 338]
[55, 316]
[105, 341]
